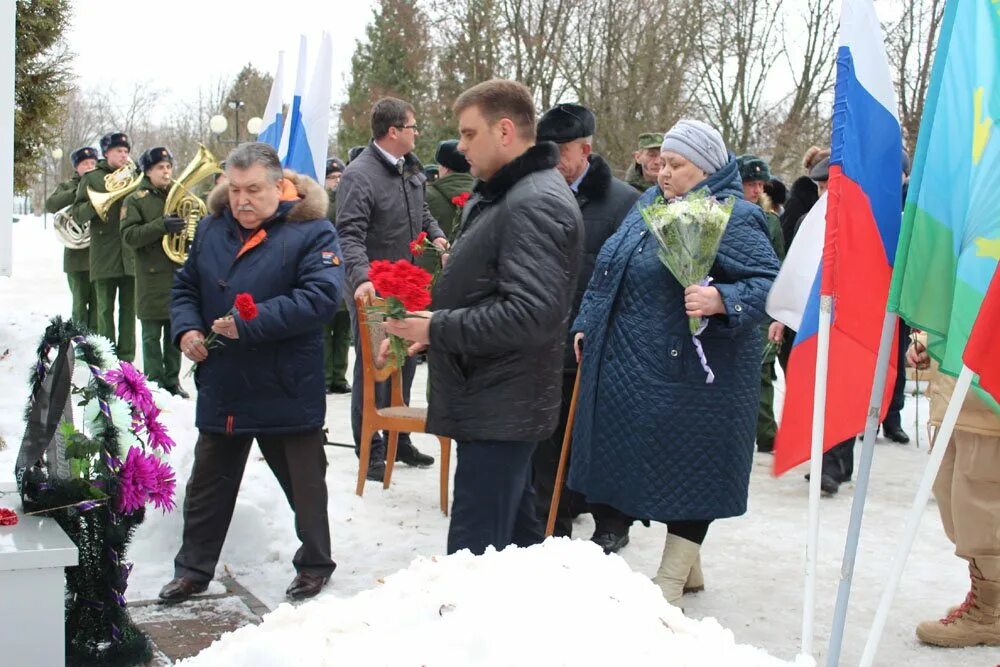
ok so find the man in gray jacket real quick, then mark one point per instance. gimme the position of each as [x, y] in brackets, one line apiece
[380, 210]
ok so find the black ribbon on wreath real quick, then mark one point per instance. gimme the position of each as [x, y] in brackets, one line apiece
[99, 630]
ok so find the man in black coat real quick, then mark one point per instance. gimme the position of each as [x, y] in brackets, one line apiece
[501, 306]
[267, 235]
[603, 201]
[381, 208]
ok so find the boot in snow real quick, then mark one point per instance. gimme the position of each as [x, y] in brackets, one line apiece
[679, 556]
[976, 622]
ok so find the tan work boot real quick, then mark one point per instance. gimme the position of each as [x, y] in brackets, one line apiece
[679, 556]
[976, 622]
[696, 579]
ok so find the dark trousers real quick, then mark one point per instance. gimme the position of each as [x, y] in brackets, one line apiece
[382, 393]
[297, 460]
[838, 461]
[105, 291]
[84, 299]
[692, 531]
[336, 343]
[161, 360]
[493, 502]
[893, 418]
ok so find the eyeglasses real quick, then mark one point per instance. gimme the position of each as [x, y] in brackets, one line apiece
[408, 127]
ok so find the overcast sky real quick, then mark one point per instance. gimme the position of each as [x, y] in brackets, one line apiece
[181, 45]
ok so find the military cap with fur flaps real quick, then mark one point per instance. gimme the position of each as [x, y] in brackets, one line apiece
[114, 140]
[448, 155]
[334, 165]
[753, 168]
[566, 122]
[81, 154]
[155, 156]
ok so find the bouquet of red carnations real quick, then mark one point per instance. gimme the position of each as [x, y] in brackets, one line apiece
[406, 289]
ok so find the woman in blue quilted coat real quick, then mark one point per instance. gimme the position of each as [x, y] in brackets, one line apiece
[652, 438]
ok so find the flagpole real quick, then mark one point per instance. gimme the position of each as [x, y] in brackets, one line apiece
[861, 489]
[816, 469]
[941, 441]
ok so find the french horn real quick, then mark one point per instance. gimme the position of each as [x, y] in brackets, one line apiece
[73, 235]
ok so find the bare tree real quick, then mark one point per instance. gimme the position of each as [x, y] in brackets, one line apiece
[911, 43]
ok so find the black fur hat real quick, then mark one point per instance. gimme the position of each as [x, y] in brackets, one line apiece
[154, 156]
[81, 154]
[566, 122]
[354, 153]
[447, 155]
[334, 165]
[114, 140]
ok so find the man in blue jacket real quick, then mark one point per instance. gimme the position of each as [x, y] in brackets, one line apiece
[267, 235]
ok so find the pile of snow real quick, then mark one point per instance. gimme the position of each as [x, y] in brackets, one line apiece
[515, 607]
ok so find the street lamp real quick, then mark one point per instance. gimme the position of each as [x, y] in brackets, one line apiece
[254, 125]
[219, 124]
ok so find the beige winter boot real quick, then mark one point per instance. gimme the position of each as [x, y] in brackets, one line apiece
[696, 580]
[976, 622]
[679, 556]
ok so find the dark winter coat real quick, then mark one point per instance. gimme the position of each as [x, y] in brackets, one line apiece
[270, 379]
[801, 198]
[65, 195]
[143, 232]
[380, 211]
[652, 438]
[108, 259]
[439, 196]
[502, 305]
[604, 201]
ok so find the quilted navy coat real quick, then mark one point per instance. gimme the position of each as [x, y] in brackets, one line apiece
[651, 438]
[270, 379]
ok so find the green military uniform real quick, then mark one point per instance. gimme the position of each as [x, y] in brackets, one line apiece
[439, 196]
[111, 265]
[142, 231]
[337, 332]
[634, 175]
[76, 263]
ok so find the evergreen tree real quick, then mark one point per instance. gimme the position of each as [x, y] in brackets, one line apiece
[41, 79]
[251, 87]
[395, 60]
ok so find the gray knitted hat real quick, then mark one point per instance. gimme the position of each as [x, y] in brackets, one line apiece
[698, 142]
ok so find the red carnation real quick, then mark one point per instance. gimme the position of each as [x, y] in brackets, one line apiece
[245, 306]
[403, 281]
[461, 200]
[7, 517]
[418, 245]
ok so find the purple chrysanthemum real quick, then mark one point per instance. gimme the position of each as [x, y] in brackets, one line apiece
[157, 432]
[130, 386]
[144, 478]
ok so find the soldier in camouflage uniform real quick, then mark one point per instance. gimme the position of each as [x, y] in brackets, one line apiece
[143, 226]
[112, 268]
[646, 162]
[755, 173]
[76, 262]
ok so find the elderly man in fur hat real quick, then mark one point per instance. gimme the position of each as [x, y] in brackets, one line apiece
[266, 235]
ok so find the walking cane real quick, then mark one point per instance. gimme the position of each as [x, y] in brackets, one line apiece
[563, 456]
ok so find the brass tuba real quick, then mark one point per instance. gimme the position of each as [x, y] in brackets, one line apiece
[74, 236]
[118, 184]
[185, 204]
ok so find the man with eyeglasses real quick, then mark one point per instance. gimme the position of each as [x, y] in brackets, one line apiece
[381, 209]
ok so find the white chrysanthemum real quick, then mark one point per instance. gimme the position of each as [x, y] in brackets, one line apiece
[121, 417]
[106, 349]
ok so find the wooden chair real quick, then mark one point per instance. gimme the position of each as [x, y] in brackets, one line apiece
[398, 417]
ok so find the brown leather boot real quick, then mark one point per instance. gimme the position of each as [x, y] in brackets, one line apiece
[180, 589]
[306, 585]
[976, 622]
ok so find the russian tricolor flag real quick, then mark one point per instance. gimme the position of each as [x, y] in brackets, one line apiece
[271, 132]
[306, 138]
[863, 215]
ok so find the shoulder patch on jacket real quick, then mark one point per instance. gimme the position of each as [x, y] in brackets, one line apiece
[330, 258]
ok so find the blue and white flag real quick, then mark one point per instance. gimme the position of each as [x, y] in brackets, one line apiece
[294, 115]
[309, 120]
[271, 126]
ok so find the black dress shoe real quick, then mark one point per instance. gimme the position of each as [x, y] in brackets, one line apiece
[609, 540]
[339, 388]
[376, 471]
[411, 456]
[828, 484]
[306, 585]
[180, 589]
[177, 390]
[896, 434]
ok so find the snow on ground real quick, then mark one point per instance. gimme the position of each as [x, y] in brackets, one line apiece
[753, 564]
[498, 609]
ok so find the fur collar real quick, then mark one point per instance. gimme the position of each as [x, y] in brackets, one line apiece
[311, 205]
[595, 184]
[543, 155]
